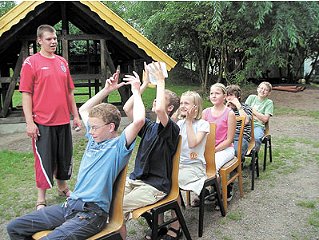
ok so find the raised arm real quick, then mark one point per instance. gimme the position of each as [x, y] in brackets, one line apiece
[138, 109]
[161, 107]
[193, 138]
[111, 84]
[235, 101]
[128, 106]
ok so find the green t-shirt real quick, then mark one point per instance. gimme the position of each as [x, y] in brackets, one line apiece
[266, 107]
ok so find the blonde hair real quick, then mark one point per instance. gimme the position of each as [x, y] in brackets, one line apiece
[197, 99]
[267, 84]
[221, 86]
[108, 113]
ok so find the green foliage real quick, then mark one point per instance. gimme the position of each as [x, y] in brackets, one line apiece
[230, 40]
[5, 6]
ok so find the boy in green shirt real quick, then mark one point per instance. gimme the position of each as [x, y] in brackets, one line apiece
[263, 109]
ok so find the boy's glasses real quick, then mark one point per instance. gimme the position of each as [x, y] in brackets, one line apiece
[94, 128]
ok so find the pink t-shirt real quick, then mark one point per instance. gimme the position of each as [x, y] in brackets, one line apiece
[49, 81]
[221, 123]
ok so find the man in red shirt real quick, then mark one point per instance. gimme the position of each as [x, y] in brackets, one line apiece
[48, 100]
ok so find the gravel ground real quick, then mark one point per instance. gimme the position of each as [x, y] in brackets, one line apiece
[271, 210]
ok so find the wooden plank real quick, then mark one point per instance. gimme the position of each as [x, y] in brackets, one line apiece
[77, 77]
[5, 79]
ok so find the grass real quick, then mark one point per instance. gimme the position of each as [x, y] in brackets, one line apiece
[297, 112]
[307, 204]
[314, 219]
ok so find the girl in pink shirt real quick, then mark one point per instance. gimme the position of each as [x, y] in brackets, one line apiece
[225, 121]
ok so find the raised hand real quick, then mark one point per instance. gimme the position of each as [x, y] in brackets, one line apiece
[234, 102]
[145, 79]
[156, 71]
[112, 83]
[191, 113]
[134, 81]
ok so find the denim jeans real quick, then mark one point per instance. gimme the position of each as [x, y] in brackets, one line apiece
[73, 219]
[244, 147]
[259, 133]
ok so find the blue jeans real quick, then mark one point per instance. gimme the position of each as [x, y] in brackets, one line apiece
[74, 219]
[259, 133]
[244, 147]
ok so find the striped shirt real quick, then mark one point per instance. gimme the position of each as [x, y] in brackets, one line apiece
[247, 128]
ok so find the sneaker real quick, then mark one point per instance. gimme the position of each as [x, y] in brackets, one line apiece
[210, 194]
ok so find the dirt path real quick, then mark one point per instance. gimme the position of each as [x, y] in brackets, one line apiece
[271, 211]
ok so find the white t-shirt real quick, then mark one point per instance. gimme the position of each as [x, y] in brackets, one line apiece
[196, 154]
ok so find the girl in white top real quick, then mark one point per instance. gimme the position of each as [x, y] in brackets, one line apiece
[194, 130]
[192, 167]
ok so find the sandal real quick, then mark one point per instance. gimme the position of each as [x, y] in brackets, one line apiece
[40, 204]
[178, 233]
[65, 193]
[161, 232]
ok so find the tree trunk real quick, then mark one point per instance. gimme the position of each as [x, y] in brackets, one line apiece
[307, 77]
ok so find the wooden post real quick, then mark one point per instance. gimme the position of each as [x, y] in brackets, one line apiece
[65, 46]
[103, 62]
[65, 32]
[106, 59]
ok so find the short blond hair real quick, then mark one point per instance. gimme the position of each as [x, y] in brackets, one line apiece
[198, 101]
[107, 112]
[267, 84]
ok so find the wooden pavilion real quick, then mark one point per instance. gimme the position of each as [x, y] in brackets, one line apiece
[104, 42]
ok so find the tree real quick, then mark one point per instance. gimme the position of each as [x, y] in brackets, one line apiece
[5, 6]
[230, 41]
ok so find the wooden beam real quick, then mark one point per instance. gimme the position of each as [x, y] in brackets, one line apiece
[5, 79]
[65, 25]
[72, 37]
[103, 61]
[109, 61]
[16, 73]
[77, 77]
[65, 48]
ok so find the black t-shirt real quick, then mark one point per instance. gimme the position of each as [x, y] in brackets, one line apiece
[153, 163]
